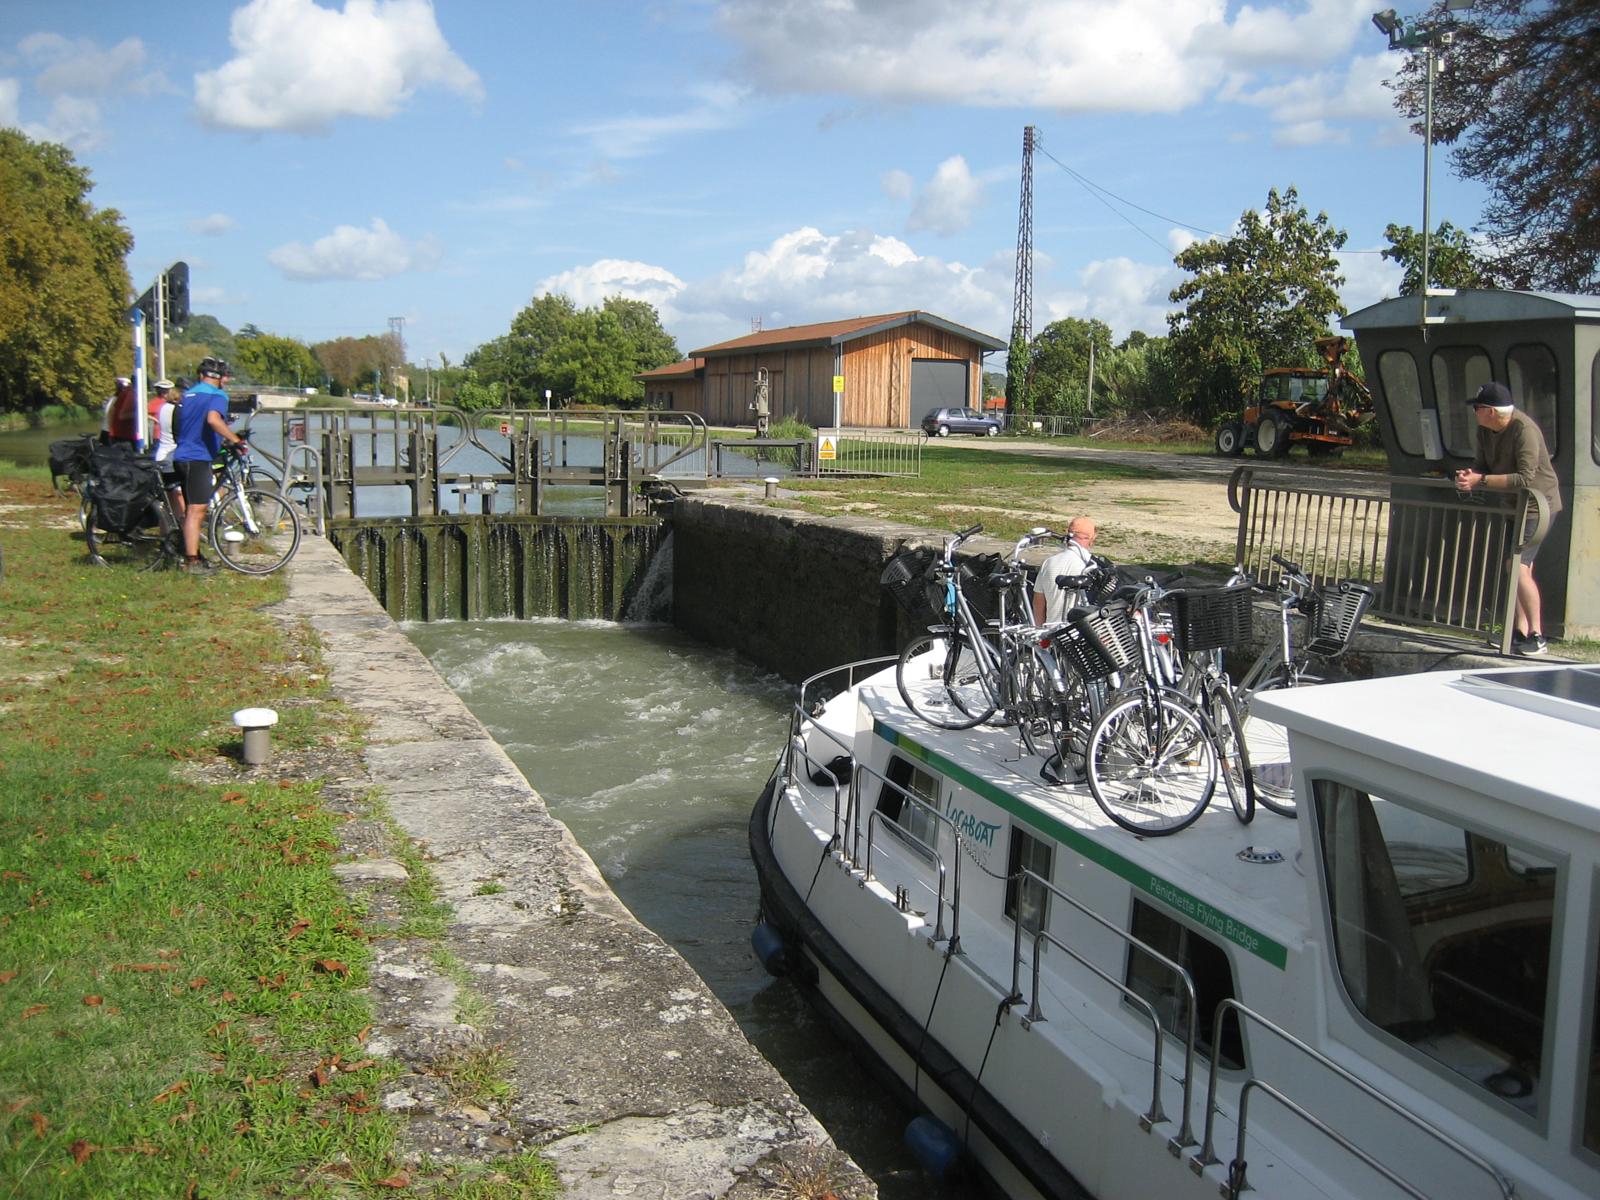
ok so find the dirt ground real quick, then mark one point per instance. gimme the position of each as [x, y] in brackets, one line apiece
[1165, 520]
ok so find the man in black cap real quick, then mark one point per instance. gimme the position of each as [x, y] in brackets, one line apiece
[1512, 454]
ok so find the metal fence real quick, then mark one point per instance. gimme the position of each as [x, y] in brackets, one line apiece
[869, 452]
[1047, 424]
[1437, 556]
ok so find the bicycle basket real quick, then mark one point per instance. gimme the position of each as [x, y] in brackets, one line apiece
[974, 576]
[1211, 618]
[910, 579]
[1332, 623]
[1102, 642]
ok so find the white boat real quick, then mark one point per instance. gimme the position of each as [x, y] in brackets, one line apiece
[1394, 995]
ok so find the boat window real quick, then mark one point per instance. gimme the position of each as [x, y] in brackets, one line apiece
[1458, 373]
[1590, 1127]
[1531, 374]
[1442, 937]
[1207, 964]
[1594, 408]
[1027, 895]
[1403, 392]
[909, 816]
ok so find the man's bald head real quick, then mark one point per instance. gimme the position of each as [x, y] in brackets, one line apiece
[1082, 531]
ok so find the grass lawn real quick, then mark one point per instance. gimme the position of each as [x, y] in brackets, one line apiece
[180, 974]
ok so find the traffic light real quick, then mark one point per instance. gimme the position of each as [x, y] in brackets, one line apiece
[177, 296]
[147, 305]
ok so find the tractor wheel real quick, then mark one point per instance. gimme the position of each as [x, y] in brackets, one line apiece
[1230, 439]
[1272, 434]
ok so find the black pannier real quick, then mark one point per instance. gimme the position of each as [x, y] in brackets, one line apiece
[125, 488]
[72, 458]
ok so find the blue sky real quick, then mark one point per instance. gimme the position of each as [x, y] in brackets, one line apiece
[325, 166]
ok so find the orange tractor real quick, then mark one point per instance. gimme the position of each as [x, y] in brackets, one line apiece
[1319, 408]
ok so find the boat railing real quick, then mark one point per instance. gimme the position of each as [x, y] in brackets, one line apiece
[1185, 1135]
[822, 774]
[876, 817]
[1236, 1183]
[803, 720]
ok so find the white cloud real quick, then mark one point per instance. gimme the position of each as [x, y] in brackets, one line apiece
[897, 185]
[1304, 106]
[211, 226]
[588, 286]
[1368, 278]
[10, 89]
[718, 107]
[1125, 294]
[352, 253]
[1315, 31]
[299, 66]
[947, 202]
[73, 121]
[78, 67]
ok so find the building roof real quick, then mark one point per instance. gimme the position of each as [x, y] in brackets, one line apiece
[833, 333]
[1466, 306]
[678, 370]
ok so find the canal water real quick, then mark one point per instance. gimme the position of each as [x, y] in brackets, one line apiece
[652, 748]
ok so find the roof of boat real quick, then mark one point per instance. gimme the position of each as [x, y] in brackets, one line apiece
[1222, 873]
[1528, 736]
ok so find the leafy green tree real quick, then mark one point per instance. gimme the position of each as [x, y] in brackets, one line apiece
[64, 287]
[1453, 260]
[1520, 100]
[1019, 400]
[204, 337]
[1058, 364]
[994, 384]
[1259, 298]
[353, 364]
[278, 361]
[1133, 378]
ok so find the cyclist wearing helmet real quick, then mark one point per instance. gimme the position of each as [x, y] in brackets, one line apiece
[200, 431]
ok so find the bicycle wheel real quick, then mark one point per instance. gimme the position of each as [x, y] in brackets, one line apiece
[1267, 744]
[1151, 766]
[1233, 756]
[253, 531]
[942, 684]
[1035, 707]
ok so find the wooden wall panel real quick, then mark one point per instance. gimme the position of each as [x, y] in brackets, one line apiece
[877, 373]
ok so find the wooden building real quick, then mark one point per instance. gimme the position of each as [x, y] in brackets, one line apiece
[895, 367]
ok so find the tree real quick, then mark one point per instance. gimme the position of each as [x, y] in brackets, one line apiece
[1259, 298]
[1453, 259]
[1058, 364]
[353, 364]
[1520, 100]
[279, 361]
[64, 287]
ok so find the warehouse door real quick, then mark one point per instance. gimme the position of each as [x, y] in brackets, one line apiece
[937, 383]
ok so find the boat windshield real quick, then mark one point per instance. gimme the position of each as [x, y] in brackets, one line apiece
[1442, 937]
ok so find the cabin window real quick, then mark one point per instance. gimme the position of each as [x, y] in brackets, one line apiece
[1442, 937]
[1209, 968]
[1531, 373]
[1590, 1127]
[1458, 373]
[1594, 409]
[1403, 390]
[906, 814]
[1027, 900]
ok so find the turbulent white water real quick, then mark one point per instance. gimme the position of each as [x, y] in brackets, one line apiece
[653, 748]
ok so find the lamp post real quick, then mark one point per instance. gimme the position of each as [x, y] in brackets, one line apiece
[1430, 39]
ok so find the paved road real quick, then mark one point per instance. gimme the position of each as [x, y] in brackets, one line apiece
[1190, 466]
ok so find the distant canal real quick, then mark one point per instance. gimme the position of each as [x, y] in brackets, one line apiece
[652, 749]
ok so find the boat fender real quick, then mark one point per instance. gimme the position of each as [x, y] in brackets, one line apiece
[770, 950]
[934, 1145]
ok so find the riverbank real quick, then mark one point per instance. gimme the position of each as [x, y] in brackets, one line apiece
[490, 1005]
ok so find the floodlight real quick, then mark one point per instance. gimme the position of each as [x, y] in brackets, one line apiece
[1388, 24]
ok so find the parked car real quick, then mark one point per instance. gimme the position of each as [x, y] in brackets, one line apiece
[942, 422]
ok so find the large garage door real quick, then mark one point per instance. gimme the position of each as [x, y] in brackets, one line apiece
[936, 383]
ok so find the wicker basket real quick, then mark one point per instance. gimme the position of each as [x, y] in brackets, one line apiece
[1338, 611]
[910, 579]
[1101, 640]
[1211, 618]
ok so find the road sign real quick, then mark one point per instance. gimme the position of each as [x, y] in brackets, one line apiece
[838, 385]
[827, 448]
[505, 428]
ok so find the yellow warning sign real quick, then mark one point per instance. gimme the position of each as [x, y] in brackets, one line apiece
[826, 449]
[838, 385]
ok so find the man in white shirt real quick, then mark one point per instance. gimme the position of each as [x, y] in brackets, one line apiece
[1051, 604]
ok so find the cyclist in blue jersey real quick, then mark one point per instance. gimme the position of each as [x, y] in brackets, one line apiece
[200, 431]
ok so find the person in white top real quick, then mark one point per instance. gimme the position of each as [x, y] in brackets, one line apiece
[1051, 604]
[163, 413]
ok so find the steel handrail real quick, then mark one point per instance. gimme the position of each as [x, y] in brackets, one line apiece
[1185, 1136]
[955, 893]
[1236, 1169]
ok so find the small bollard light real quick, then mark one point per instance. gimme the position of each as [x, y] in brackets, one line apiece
[772, 487]
[256, 724]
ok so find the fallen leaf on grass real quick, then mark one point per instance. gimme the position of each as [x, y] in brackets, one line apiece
[94, 1001]
[297, 929]
[33, 1010]
[319, 1076]
[8, 876]
[40, 1123]
[176, 1089]
[233, 797]
[400, 1179]
[361, 1038]
[332, 966]
[359, 1066]
[7, 976]
[198, 982]
[81, 1150]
